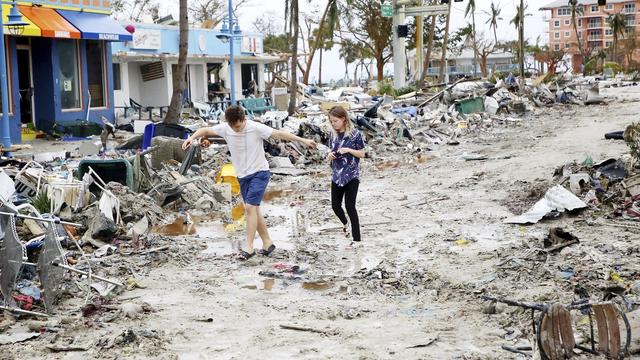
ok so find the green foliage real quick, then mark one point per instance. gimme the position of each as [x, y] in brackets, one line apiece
[615, 67]
[41, 202]
[632, 138]
[276, 44]
[405, 90]
[385, 87]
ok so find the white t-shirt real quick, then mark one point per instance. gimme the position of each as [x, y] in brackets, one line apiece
[247, 150]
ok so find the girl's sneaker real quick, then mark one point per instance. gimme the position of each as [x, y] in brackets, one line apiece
[346, 228]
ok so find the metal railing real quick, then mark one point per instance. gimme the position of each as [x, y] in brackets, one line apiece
[469, 70]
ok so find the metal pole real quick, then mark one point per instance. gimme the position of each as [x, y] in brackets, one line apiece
[522, 44]
[24, 312]
[399, 66]
[54, 221]
[232, 69]
[90, 276]
[6, 128]
[444, 62]
[419, 45]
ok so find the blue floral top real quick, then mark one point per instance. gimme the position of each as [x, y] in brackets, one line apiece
[345, 167]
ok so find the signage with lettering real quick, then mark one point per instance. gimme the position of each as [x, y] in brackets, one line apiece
[101, 6]
[147, 39]
[252, 44]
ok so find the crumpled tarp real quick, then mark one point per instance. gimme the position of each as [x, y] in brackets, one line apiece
[556, 199]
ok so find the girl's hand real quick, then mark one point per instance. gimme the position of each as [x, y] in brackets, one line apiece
[343, 151]
[331, 156]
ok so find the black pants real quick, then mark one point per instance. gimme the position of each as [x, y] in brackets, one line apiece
[349, 192]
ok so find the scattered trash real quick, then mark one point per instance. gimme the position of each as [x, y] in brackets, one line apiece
[557, 199]
[558, 239]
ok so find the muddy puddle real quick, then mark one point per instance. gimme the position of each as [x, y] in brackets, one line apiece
[225, 239]
[420, 159]
[269, 285]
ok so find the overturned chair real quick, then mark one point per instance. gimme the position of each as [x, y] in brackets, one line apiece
[555, 334]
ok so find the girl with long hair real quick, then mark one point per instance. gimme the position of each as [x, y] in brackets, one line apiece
[347, 148]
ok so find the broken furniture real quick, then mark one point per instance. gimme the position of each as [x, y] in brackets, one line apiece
[257, 105]
[555, 334]
[170, 130]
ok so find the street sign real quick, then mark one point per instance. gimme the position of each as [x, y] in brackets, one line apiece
[427, 10]
[387, 10]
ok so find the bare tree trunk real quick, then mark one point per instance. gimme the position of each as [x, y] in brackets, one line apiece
[380, 67]
[346, 70]
[355, 75]
[320, 69]
[293, 86]
[316, 44]
[427, 59]
[445, 44]
[178, 87]
[475, 46]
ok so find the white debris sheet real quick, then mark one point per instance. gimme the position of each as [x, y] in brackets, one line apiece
[556, 199]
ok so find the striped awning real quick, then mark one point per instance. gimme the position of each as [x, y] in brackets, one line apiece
[51, 24]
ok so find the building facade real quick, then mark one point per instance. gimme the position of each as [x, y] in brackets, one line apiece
[59, 66]
[145, 66]
[591, 22]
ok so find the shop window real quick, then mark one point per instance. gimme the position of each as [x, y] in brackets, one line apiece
[69, 75]
[95, 71]
[117, 85]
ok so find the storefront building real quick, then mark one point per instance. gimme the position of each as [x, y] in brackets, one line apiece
[144, 68]
[59, 67]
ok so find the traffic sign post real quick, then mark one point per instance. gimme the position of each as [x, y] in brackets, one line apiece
[427, 10]
[387, 9]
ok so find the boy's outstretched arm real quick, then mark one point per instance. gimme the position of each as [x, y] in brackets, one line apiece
[283, 135]
[202, 132]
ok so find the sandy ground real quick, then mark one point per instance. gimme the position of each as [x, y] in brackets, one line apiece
[427, 304]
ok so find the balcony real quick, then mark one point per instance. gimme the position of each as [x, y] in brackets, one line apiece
[597, 25]
[628, 10]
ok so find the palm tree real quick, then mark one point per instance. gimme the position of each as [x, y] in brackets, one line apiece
[494, 16]
[618, 24]
[291, 13]
[577, 10]
[328, 20]
[427, 59]
[180, 84]
[471, 9]
[349, 53]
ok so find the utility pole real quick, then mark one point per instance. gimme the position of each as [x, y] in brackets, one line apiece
[443, 58]
[522, 44]
[399, 66]
[419, 44]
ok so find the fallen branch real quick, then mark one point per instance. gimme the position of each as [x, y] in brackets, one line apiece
[518, 350]
[305, 329]
[150, 251]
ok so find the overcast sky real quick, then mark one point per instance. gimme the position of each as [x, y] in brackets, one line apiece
[333, 67]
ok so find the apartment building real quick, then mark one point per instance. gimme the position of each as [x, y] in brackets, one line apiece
[592, 28]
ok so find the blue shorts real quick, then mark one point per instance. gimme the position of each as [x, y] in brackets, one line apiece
[252, 187]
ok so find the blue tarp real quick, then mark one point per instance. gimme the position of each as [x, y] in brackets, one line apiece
[96, 26]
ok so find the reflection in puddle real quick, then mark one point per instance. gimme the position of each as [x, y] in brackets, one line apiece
[271, 284]
[420, 159]
[225, 239]
[317, 285]
[277, 193]
[268, 284]
[181, 226]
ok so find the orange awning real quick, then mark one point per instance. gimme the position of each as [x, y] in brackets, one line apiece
[50, 22]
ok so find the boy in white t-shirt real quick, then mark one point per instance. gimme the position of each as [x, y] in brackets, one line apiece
[244, 139]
